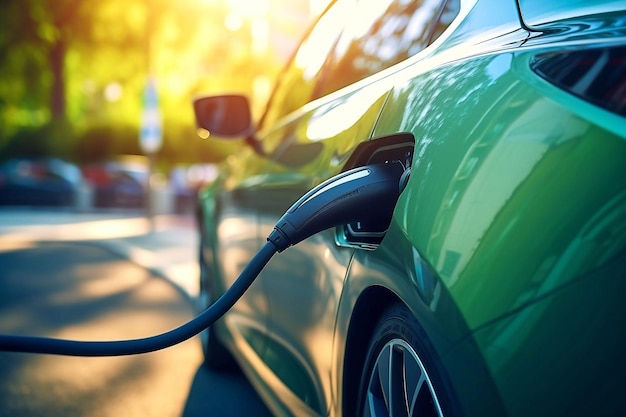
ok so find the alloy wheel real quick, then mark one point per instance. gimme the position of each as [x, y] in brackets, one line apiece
[399, 384]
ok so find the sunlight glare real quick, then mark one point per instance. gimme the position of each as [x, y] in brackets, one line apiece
[113, 92]
[317, 6]
[320, 40]
[249, 7]
[233, 22]
[203, 133]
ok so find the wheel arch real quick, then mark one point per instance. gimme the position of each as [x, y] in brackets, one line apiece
[370, 305]
[368, 308]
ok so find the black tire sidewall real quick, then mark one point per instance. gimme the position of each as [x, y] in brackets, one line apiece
[397, 322]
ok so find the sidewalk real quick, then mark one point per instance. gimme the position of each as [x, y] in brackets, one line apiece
[169, 249]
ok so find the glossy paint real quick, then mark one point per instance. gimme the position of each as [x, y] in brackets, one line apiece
[523, 205]
[508, 243]
[539, 12]
[518, 204]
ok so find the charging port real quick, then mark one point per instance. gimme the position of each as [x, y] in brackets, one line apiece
[398, 147]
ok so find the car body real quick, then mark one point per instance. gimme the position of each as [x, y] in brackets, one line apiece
[38, 182]
[497, 287]
[118, 182]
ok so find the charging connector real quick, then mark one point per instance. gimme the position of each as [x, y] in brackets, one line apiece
[365, 194]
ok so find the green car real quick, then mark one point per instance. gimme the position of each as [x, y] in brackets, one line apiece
[497, 288]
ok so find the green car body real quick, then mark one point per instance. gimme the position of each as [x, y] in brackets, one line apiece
[507, 246]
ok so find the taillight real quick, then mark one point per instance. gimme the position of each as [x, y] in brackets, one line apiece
[596, 75]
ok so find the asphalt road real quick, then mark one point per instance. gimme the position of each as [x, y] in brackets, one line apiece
[85, 292]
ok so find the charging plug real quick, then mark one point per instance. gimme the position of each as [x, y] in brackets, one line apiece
[365, 194]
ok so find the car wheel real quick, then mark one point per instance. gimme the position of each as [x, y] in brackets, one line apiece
[398, 377]
[216, 355]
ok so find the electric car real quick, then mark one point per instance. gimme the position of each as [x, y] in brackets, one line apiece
[496, 287]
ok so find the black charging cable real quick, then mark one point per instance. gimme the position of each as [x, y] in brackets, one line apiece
[31, 344]
[366, 194]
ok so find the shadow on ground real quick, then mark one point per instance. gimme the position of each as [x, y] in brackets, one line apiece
[224, 394]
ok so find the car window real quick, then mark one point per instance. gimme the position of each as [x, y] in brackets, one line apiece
[381, 34]
[295, 85]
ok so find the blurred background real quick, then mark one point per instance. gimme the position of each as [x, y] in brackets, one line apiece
[95, 96]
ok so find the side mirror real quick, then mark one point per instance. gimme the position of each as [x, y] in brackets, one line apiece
[225, 116]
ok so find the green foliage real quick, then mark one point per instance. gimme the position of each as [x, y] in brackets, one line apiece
[28, 141]
[48, 139]
[73, 74]
[99, 142]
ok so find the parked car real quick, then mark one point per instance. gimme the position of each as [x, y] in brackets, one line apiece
[118, 182]
[38, 182]
[497, 288]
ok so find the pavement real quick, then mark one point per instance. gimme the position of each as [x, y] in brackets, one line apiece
[166, 245]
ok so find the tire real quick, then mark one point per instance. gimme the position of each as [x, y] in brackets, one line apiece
[400, 377]
[216, 355]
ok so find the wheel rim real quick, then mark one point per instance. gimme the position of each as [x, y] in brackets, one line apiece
[399, 384]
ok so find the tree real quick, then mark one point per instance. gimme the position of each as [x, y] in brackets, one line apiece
[73, 73]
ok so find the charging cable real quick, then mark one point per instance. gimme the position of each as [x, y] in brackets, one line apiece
[365, 194]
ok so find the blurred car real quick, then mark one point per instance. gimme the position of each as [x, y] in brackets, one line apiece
[119, 182]
[38, 182]
[497, 288]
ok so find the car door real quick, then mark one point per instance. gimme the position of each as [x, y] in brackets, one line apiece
[303, 285]
[252, 185]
